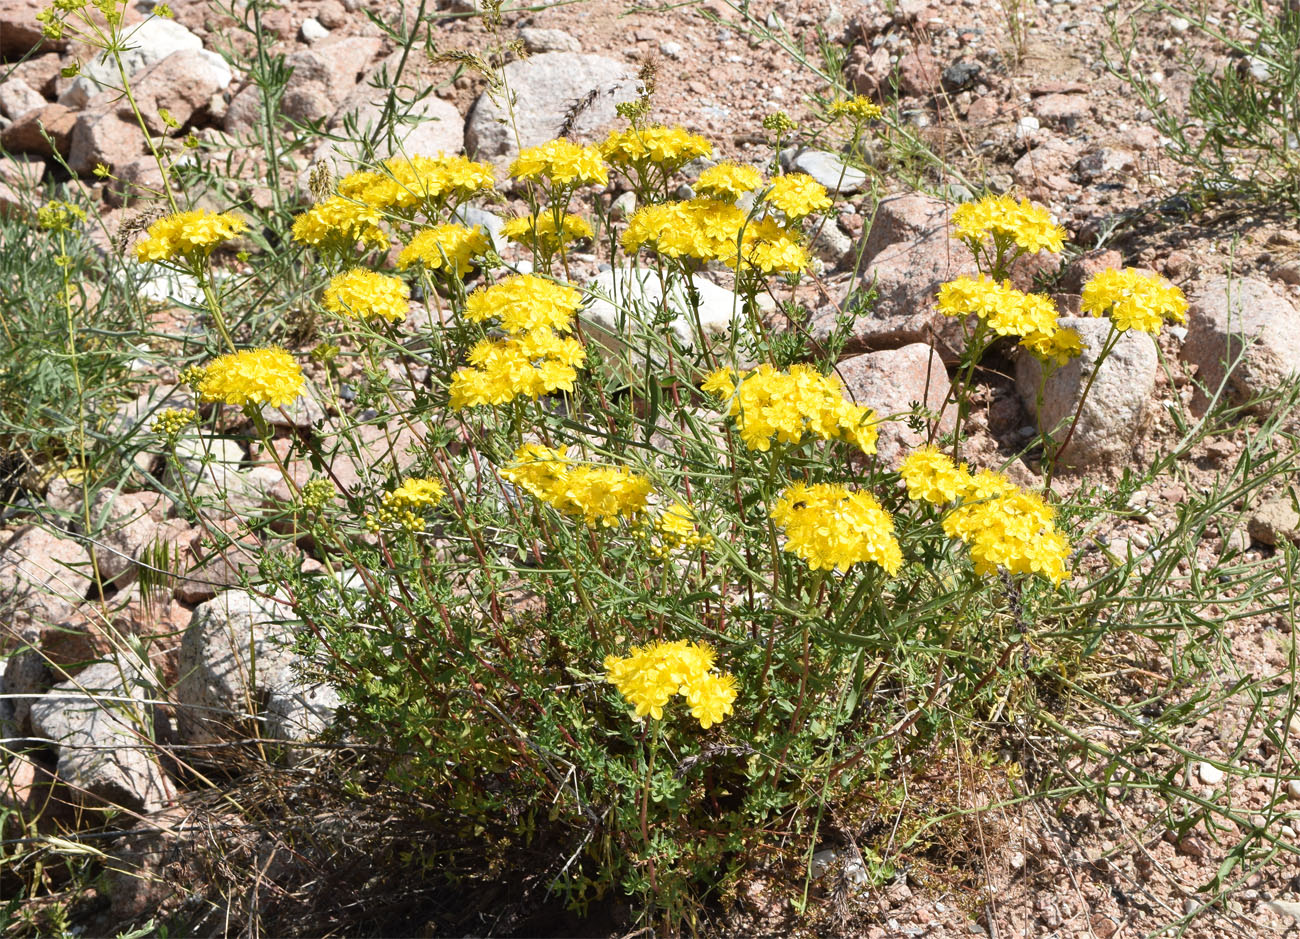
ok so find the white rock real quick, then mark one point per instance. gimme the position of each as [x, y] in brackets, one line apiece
[537, 41]
[1293, 790]
[151, 41]
[672, 49]
[1027, 125]
[829, 170]
[17, 98]
[1209, 774]
[312, 31]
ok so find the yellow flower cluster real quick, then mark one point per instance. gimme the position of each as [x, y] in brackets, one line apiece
[524, 302]
[451, 247]
[676, 528]
[1134, 300]
[650, 675]
[172, 421]
[1009, 222]
[1007, 311]
[728, 181]
[532, 364]
[797, 195]
[407, 504]
[562, 163]
[670, 148]
[830, 527]
[711, 230]
[768, 404]
[252, 377]
[533, 360]
[1057, 347]
[187, 236]
[404, 184]
[338, 224]
[541, 229]
[1003, 525]
[857, 107]
[600, 495]
[365, 294]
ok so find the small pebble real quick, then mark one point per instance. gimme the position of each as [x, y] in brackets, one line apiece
[1210, 774]
[1293, 790]
[312, 31]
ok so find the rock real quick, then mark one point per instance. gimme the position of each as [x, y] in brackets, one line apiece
[1284, 908]
[1047, 164]
[919, 73]
[41, 72]
[868, 71]
[183, 83]
[537, 41]
[44, 576]
[237, 651]
[103, 137]
[627, 300]
[1118, 406]
[300, 711]
[984, 111]
[332, 14]
[312, 30]
[672, 50]
[1275, 522]
[1102, 162]
[103, 727]
[18, 98]
[304, 413]
[211, 469]
[20, 33]
[432, 126]
[623, 206]
[908, 254]
[20, 177]
[961, 75]
[1246, 324]
[829, 243]
[890, 382]
[829, 170]
[148, 42]
[28, 133]
[469, 216]
[26, 677]
[139, 180]
[1209, 774]
[356, 471]
[547, 88]
[1293, 790]
[141, 873]
[124, 524]
[1063, 111]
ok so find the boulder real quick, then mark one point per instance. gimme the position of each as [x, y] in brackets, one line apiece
[890, 382]
[124, 524]
[1244, 332]
[104, 137]
[20, 32]
[1118, 407]
[183, 83]
[547, 88]
[147, 42]
[103, 724]
[827, 168]
[536, 41]
[18, 98]
[28, 134]
[44, 576]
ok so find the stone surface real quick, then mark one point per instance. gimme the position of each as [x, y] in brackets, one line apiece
[217, 562]
[137, 180]
[18, 98]
[43, 577]
[431, 126]
[183, 83]
[130, 424]
[124, 524]
[868, 71]
[919, 73]
[1062, 110]
[829, 170]
[20, 177]
[19, 30]
[628, 300]
[26, 678]
[1246, 325]
[148, 42]
[312, 30]
[1048, 164]
[537, 41]
[102, 722]
[28, 133]
[211, 469]
[104, 137]
[829, 243]
[236, 661]
[547, 87]
[1118, 406]
[890, 381]
[1275, 522]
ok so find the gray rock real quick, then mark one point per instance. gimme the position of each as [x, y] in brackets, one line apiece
[1062, 110]
[312, 30]
[149, 42]
[44, 576]
[623, 207]
[672, 50]
[829, 170]
[131, 424]
[236, 665]
[1274, 522]
[124, 524]
[26, 677]
[546, 88]
[889, 382]
[829, 243]
[961, 75]
[210, 469]
[491, 223]
[182, 83]
[1245, 325]
[537, 41]
[1118, 407]
[103, 724]
[430, 126]
[104, 137]
[18, 98]
[303, 413]
[626, 302]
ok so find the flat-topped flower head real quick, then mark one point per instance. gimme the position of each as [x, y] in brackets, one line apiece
[1134, 300]
[728, 181]
[832, 527]
[1007, 311]
[797, 195]
[932, 476]
[769, 248]
[1004, 219]
[669, 148]
[542, 230]
[188, 237]
[529, 365]
[450, 248]
[252, 377]
[562, 163]
[858, 108]
[770, 406]
[523, 303]
[1057, 347]
[650, 675]
[1008, 528]
[338, 225]
[676, 528]
[364, 294]
[406, 183]
[602, 496]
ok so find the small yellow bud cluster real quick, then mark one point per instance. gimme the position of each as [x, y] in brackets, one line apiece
[316, 494]
[172, 421]
[59, 216]
[407, 505]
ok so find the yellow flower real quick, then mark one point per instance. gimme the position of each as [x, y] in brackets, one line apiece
[523, 303]
[785, 406]
[1057, 347]
[563, 163]
[1003, 218]
[857, 107]
[651, 674]
[404, 184]
[830, 527]
[797, 195]
[1007, 527]
[670, 148]
[1007, 311]
[530, 364]
[528, 229]
[933, 477]
[338, 224]
[720, 383]
[188, 236]
[769, 248]
[252, 377]
[1134, 300]
[677, 529]
[728, 181]
[601, 495]
[537, 469]
[365, 294]
[407, 504]
[445, 247]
